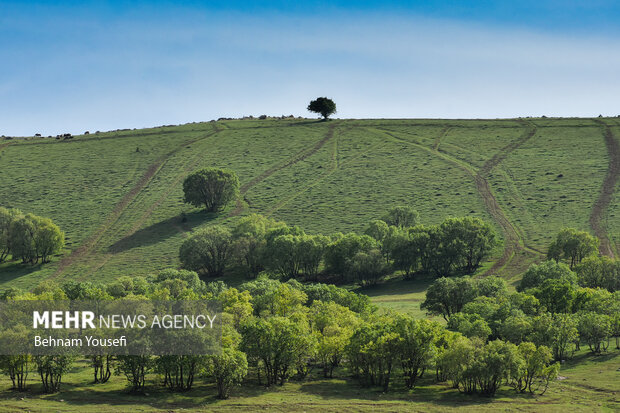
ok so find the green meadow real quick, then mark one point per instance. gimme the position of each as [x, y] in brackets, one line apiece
[118, 197]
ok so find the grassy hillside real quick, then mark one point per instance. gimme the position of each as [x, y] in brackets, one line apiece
[118, 196]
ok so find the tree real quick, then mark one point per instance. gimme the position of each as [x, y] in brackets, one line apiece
[7, 216]
[447, 296]
[595, 329]
[368, 267]
[474, 237]
[209, 250]
[280, 344]
[599, 272]
[228, 369]
[51, 369]
[214, 188]
[322, 105]
[340, 253]
[135, 369]
[573, 245]
[402, 217]
[536, 371]
[417, 347]
[549, 270]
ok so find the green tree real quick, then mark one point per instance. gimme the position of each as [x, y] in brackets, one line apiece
[368, 267]
[7, 216]
[135, 369]
[599, 272]
[447, 296]
[472, 239]
[334, 325]
[402, 217]
[209, 250]
[322, 105]
[536, 372]
[228, 369]
[250, 241]
[340, 253]
[212, 188]
[279, 344]
[51, 369]
[595, 330]
[574, 246]
[417, 346]
[549, 270]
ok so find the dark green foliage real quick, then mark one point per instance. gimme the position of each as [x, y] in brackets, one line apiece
[28, 237]
[549, 270]
[212, 188]
[322, 105]
[402, 217]
[208, 250]
[447, 296]
[573, 245]
[340, 254]
[599, 272]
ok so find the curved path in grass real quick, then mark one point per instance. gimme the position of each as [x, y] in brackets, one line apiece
[298, 157]
[513, 242]
[607, 190]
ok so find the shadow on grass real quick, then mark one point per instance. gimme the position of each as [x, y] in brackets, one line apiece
[12, 270]
[160, 231]
[427, 392]
[397, 286]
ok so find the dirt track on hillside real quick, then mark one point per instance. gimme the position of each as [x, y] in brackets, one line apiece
[512, 238]
[298, 157]
[118, 209]
[512, 241]
[607, 190]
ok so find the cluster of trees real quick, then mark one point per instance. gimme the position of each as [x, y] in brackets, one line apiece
[549, 309]
[280, 331]
[397, 242]
[28, 237]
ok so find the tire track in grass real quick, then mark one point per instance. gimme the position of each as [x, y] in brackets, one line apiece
[190, 166]
[512, 240]
[87, 245]
[442, 135]
[607, 190]
[298, 157]
[303, 154]
[336, 164]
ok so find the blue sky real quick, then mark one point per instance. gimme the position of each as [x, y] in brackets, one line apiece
[76, 66]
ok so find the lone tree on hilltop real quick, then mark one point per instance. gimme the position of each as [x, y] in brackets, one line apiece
[324, 106]
[214, 188]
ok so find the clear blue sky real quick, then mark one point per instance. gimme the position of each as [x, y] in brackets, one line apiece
[76, 66]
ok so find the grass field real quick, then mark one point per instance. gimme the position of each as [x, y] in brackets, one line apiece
[586, 383]
[118, 197]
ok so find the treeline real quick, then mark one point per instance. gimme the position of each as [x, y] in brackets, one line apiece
[397, 242]
[280, 331]
[28, 237]
[549, 309]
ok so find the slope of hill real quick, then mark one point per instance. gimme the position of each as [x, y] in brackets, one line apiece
[118, 195]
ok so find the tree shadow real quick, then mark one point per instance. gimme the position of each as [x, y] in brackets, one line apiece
[160, 231]
[10, 271]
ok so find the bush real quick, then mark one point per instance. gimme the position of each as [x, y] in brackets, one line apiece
[212, 188]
